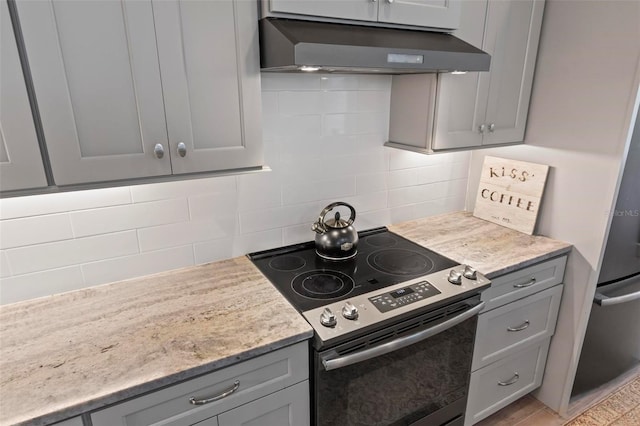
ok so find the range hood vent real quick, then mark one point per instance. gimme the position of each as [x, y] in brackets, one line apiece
[288, 45]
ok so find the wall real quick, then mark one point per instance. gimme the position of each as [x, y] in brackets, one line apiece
[584, 91]
[323, 138]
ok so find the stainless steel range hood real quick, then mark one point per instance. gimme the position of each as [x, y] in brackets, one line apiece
[288, 45]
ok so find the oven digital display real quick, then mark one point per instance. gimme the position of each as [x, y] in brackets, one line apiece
[401, 292]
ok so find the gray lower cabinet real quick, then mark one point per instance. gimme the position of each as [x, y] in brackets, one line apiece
[270, 389]
[141, 88]
[20, 161]
[513, 336]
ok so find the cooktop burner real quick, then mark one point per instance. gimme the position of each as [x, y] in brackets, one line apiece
[384, 258]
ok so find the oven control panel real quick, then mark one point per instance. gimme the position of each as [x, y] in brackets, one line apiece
[403, 296]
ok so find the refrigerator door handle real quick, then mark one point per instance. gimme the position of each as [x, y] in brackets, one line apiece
[604, 300]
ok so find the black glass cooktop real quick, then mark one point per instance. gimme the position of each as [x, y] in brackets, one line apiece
[309, 281]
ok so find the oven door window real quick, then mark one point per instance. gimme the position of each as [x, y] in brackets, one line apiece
[426, 381]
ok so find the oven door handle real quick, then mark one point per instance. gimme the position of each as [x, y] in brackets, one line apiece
[343, 361]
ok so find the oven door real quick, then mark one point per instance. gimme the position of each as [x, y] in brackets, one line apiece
[412, 373]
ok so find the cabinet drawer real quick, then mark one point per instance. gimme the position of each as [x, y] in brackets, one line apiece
[509, 328]
[171, 407]
[502, 382]
[522, 283]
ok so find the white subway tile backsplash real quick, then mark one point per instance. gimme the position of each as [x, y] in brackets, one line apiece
[226, 248]
[323, 138]
[340, 82]
[374, 82]
[132, 216]
[177, 234]
[30, 286]
[181, 188]
[339, 101]
[271, 81]
[24, 260]
[5, 269]
[340, 124]
[202, 207]
[300, 102]
[304, 191]
[371, 182]
[36, 205]
[122, 268]
[34, 230]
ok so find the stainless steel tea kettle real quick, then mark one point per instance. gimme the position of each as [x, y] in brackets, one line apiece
[336, 239]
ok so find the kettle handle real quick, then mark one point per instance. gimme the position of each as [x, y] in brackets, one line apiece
[331, 206]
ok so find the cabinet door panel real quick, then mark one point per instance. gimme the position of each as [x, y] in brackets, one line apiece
[424, 13]
[462, 99]
[288, 407]
[210, 75]
[20, 161]
[97, 82]
[513, 31]
[366, 10]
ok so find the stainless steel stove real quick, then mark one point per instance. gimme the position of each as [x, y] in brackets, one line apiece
[389, 278]
[394, 329]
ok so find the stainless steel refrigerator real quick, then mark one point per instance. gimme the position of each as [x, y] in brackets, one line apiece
[612, 343]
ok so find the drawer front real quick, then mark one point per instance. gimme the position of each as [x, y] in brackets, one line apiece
[251, 379]
[502, 382]
[522, 283]
[509, 328]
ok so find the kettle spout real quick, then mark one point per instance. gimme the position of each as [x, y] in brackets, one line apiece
[318, 227]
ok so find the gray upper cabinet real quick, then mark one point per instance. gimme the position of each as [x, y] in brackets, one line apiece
[20, 161]
[95, 71]
[209, 62]
[491, 108]
[422, 13]
[141, 88]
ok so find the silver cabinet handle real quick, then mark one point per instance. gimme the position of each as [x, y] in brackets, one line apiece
[343, 361]
[182, 149]
[482, 128]
[511, 381]
[492, 127]
[531, 282]
[224, 394]
[521, 327]
[158, 150]
[389, 1]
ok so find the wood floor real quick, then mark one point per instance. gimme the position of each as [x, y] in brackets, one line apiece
[619, 408]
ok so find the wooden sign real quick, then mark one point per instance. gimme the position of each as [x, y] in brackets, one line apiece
[510, 192]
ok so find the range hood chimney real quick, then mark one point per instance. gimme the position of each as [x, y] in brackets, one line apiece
[288, 45]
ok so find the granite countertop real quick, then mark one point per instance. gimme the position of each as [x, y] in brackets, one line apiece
[492, 249]
[71, 353]
[67, 354]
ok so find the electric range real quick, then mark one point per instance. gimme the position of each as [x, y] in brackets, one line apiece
[388, 280]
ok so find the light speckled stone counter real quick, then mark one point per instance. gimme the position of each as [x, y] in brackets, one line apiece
[492, 249]
[67, 354]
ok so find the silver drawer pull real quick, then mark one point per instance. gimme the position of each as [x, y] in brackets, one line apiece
[511, 381]
[531, 282]
[224, 394]
[520, 327]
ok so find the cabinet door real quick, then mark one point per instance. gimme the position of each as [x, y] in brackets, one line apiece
[513, 32]
[20, 160]
[462, 98]
[288, 407]
[423, 13]
[364, 10]
[211, 81]
[97, 83]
